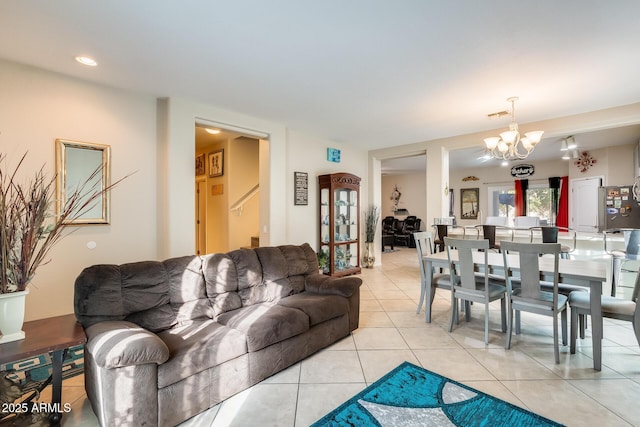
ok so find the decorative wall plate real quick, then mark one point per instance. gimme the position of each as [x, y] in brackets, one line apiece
[585, 161]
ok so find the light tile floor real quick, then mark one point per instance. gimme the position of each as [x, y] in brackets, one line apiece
[390, 332]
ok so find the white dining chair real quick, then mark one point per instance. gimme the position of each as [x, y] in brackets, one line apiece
[496, 220]
[524, 293]
[469, 286]
[612, 307]
[526, 221]
[424, 244]
[619, 257]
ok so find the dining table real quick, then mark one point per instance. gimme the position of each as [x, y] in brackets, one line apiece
[587, 273]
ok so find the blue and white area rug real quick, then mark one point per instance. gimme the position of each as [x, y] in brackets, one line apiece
[412, 396]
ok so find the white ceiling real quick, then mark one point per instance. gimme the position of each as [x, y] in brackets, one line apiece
[374, 73]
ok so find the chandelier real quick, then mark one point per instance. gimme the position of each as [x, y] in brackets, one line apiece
[509, 145]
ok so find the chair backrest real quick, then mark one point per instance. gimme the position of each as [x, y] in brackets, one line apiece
[632, 243]
[496, 220]
[412, 224]
[528, 257]
[424, 243]
[526, 221]
[443, 230]
[636, 289]
[548, 233]
[388, 224]
[489, 233]
[463, 273]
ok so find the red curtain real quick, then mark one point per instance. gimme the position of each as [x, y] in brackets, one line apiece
[519, 199]
[563, 208]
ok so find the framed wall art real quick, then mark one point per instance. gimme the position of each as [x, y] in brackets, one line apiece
[216, 163]
[200, 164]
[301, 188]
[469, 203]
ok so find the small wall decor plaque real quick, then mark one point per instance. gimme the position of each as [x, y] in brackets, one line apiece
[333, 155]
[585, 161]
[522, 171]
[301, 188]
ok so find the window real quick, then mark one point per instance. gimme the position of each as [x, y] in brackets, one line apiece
[539, 203]
[502, 202]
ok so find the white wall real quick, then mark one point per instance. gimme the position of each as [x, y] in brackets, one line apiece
[39, 106]
[307, 153]
[413, 188]
[614, 163]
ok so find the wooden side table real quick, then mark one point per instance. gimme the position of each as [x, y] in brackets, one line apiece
[53, 335]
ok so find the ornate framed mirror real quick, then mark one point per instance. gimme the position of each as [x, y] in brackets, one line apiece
[86, 167]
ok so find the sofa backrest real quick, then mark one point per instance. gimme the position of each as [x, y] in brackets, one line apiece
[157, 295]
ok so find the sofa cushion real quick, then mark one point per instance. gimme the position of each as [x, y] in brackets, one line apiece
[300, 262]
[248, 268]
[98, 295]
[274, 264]
[145, 293]
[221, 283]
[187, 289]
[144, 285]
[296, 260]
[318, 307]
[196, 347]
[265, 324]
[154, 319]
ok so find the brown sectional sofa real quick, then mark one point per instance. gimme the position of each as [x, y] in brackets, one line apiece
[167, 340]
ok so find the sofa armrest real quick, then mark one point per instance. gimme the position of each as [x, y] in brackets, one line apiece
[115, 344]
[343, 286]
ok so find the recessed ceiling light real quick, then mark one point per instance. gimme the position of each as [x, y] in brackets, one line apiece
[212, 131]
[85, 60]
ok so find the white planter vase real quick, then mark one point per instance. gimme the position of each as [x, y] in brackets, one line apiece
[12, 316]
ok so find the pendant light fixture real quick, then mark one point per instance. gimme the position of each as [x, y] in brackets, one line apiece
[510, 145]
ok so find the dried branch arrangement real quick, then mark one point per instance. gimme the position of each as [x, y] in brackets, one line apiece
[371, 217]
[29, 228]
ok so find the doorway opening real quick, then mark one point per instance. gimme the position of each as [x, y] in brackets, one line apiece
[227, 183]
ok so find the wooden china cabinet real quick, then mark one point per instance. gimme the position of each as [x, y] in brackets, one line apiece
[340, 222]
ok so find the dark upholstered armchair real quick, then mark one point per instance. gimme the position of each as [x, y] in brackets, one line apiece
[388, 231]
[404, 236]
